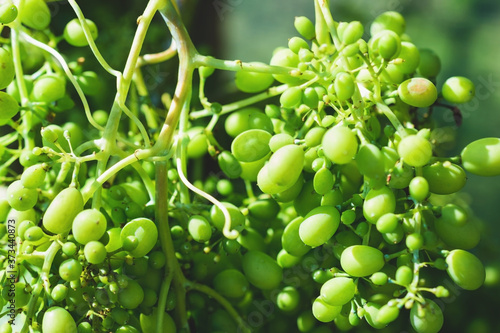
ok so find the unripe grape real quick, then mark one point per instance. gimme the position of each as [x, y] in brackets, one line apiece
[379, 278]
[291, 97]
[344, 86]
[8, 106]
[377, 203]
[251, 145]
[389, 44]
[323, 181]
[444, 178]
[414, 241]
[351, 33]
[199, 228]
[252, 82]
[57, 319]
[95, 252]
[430, 64]
[304, 27]
[390, 20]
[70, 270]
[319, 225]
[21, 198]
[409, 58]
[290, 239]
[404, 275]
[387, 314]
[146, 233]
[465, 269]
[419, 188]
[325, 312]
[75, 35]
[415, 150]
[131, 296]
[89, 225]
[338, 291]
[296, 44]
[458, 90]
[34, 234]
[426, 318]
[482, 157]
[59, 292]
[285, 58]
[279, 140]
[371, 311]
[418, 92]
[229, 164]
[231, 283]
[8, 13]
[35, 14]
[261, 270]
[340, 144]
[245, 119]
[49, 88]
[288, 299]
[387, 223]
[361, 260]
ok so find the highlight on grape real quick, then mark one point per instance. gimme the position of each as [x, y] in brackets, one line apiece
[330, 208]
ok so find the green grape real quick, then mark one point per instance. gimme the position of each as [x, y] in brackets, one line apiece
[229, 164]
[245, 119]
[351, 33]
[314, 136]
[251, 145]
[427, 318]
[69, 249]
[361, 260]
[75, 35]
[90, 83]
[146, 233]
[264, 209]
[296, 44]
[198, 142]
[444, 177]
[95, 252]
[70, 270]
[305, 321]
[286, 260]
[310, 97]
[319, 225]
[285, 58]
[49, 88]
[21, 198]
[340, 144]
[291, 193]
[410, 58]
[305, 27]
[372, 310]
[231, 283]
[131, 296]
[387, 314]
[390, 20]
[462, 236]
[482, 157]
[34, 234]
[89, 225]
[34, 176]
[251, 239]
[418, 92]
[395, 236]
[404, 275]
[379, 278]
[388, 44]
[291, 97]
[56, 319]
[291, 241]
[419, 188]
[279, 140]
[430, 64]
[84, 327]
[288, 299]
[217, 216]
[282, 171]
[323, 181]
[59, 292]
[338, 291]
[206, 71]
[344, 86]
[8, 13]
[458, 90]
[261, 270]
[387, 223]
[325, 312]
[224, 187]
[370, 161]
[157, 259]
[415, 150]
[61, 212]
[414, 241]
[199, 228]
[127, 329]
[252, 82]
[8, 106]
[377, 203]
[465, 269]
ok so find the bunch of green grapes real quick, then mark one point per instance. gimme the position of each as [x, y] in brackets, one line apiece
[317, 201]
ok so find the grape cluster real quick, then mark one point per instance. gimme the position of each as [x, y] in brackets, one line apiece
[318, 200]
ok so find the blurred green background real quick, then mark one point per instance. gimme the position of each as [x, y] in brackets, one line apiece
[464, 33]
